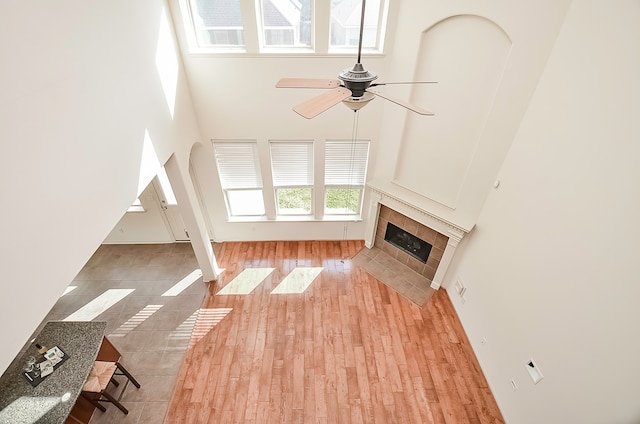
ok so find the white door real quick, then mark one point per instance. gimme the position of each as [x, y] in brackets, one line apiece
[144, 222]
[169, 206]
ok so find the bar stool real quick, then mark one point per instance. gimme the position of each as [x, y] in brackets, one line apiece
[95, 388]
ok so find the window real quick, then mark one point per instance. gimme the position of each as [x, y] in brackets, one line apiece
[292, 170]
[163, 179]
[344, 176]
[345, 23]
[286, 23]
[264, 26]
[136, 206]
[217, 22]
[240, 177]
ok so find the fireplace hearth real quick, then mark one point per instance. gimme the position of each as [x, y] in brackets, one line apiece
[407, 242]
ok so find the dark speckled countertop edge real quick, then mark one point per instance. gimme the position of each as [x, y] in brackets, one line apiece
[81, 340]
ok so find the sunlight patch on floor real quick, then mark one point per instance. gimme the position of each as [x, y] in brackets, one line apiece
[136, 320]
[198, 324]
[297, 281]
[69, 290]
[206, 320]
[183, 331]
[183, 284]
[99, 305]
[246, 281]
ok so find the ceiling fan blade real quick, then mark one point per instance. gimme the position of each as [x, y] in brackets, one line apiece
[404, 82]
[307, 83]
[320, 103]
[416, 109]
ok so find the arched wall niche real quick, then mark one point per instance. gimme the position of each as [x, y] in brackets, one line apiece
[466, 55]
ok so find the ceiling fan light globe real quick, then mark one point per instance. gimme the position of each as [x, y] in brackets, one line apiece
[357, 103]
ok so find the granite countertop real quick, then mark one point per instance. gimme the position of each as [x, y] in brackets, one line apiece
[22, 403]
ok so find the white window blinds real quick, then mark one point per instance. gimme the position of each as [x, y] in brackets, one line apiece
[238, 164]
[292, 163]
[346, 162]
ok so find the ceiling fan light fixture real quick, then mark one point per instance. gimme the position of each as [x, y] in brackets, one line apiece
[357, 103]
[351, 87]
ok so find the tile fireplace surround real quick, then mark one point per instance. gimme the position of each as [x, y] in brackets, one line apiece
[436, 240]
[442, 235]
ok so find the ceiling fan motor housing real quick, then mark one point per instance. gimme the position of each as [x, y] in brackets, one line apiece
[357, 79]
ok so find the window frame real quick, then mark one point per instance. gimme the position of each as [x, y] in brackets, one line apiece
[354, 29]
[193, 31]
[294, 46]
[300, 178]
[253, 32]
[356, 153]
[237, 186]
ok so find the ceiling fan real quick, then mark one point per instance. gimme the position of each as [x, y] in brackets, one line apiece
[353, 87]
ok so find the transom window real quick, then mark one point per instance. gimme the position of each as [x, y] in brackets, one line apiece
[266, 26]
[217, 22]
[286, 23]
[345, 24]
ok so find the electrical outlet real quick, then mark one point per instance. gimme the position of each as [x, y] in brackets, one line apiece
[534, 371]
[460, 287]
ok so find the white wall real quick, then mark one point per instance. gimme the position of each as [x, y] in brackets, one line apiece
[552, 265]
[487, 57]
[147, 226]
[79, 88]
[243, 103]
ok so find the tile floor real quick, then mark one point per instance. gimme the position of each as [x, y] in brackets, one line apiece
[394, 274]
[151, 326]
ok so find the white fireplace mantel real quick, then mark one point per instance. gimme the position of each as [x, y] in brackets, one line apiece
[455, 233]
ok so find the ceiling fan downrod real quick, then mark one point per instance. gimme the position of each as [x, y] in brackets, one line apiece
[358, 79]
[361, 30]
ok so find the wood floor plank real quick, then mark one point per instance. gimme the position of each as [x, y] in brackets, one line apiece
[347, 350]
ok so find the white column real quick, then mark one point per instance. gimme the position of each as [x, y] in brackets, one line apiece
[449, 251]
[193, 219]
[372, 219]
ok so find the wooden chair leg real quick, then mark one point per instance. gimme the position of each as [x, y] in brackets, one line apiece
[127, 374]
[93, 402]
[115, 402]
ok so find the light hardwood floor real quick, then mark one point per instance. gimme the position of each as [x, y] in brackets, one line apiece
[347, 350]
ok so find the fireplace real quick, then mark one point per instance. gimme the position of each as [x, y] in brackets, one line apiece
[411, 244]
[436, 242]
[409, 212]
